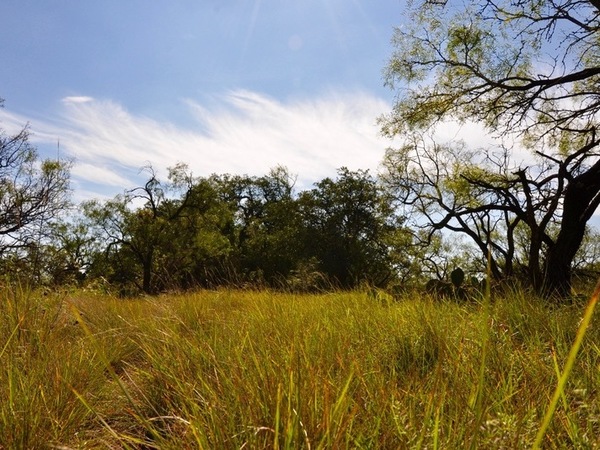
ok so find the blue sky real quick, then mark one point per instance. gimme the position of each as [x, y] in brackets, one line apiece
[227, 86]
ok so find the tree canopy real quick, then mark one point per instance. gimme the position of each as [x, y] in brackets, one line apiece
[185, 231]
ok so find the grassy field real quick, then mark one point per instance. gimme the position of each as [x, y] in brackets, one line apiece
[254, 370]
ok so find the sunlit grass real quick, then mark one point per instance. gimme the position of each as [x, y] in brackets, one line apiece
[244, 369]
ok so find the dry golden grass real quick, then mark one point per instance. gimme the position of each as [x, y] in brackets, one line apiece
[244, 369]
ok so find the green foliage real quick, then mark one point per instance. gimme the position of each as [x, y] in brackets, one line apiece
[33, 193]
[241, 230]
[165, 243]
[265, 230]
[349, 225]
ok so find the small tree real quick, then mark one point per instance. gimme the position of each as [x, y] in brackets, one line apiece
[32, 193]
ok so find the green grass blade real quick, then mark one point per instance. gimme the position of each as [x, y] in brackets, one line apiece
[562, 382]
[14, 331]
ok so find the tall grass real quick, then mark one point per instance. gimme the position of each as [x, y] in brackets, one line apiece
[42, 361]
[243, 369]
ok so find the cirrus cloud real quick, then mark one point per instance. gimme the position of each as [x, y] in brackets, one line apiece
[241, 132]
[77, 99]
[245, 133]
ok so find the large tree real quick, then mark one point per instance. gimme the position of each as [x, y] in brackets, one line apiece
[529, 72]
[265, 227]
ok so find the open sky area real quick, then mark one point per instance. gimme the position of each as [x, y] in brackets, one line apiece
[226, 86]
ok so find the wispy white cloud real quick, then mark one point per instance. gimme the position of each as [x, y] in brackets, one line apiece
[94, 174]
[78, 99]
[312, 137]
[246, 133]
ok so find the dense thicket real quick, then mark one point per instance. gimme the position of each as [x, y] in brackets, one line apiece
[192, 231]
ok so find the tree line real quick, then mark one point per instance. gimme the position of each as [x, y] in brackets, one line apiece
[245, 230]
[188, 232]
[527, 71]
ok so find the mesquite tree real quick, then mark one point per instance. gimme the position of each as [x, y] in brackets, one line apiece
[528, 71]
[163, 241]
[32, 192]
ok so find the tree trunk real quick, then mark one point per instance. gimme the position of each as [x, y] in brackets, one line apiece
[534, 271]
[581, 200]
[557, 273]
[147, 273]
